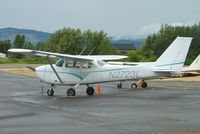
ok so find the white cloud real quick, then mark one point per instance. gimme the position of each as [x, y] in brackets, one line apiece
[189, 23]
[145, 30]
[148, 29]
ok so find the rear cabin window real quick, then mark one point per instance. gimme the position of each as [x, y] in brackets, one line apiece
[91, 65]
[70, 64]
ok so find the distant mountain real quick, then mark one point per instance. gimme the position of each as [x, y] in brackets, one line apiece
[125, 40]
[31, 35]
[138, 42]
[38, 36]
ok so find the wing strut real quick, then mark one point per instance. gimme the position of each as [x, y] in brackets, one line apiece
[54, 69]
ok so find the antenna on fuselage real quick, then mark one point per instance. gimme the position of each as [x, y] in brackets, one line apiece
[144, 56]
[91, 51]
[83, 50]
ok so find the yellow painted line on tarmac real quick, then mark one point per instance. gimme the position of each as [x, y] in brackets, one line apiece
[71, 97]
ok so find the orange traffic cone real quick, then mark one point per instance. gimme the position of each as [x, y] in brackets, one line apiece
[99, 89]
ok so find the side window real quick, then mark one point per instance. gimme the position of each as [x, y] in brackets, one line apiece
[78, 64]
[84, 64]
[60, 62]
[69, 64]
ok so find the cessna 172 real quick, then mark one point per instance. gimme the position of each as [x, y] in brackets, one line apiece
[75, 70]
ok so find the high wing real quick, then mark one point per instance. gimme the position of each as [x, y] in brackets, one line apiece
[66, 56]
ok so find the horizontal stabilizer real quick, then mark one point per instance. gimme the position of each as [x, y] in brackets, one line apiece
[164, 71]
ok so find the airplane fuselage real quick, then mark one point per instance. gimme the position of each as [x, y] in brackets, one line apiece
[106, 73]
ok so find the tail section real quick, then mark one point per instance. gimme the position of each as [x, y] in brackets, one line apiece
[196, 63]
[174, 56]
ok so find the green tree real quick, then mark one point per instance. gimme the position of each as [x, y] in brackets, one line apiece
[135, 56]
[19, 41]
[73, 41]
[4, 46]
[157, 43]
[40, 46]
[28, 45]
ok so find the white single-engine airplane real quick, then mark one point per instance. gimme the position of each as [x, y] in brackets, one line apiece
[71, 70]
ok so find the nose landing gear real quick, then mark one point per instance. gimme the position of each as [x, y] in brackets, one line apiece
[50, 91]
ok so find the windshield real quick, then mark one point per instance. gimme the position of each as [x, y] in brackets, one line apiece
[60, 62]
[101, 63]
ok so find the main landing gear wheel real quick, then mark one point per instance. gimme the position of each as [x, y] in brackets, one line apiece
[71, 92]
[90, 91]
[119, 85]
[144, 84]
[50, 92]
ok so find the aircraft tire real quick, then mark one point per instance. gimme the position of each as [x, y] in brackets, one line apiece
[90, 91]
[119, 85]
[134, 85]
[50, 92]
[71, 92]
[143, 84]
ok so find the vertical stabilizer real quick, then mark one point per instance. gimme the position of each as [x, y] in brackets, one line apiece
[196, 63]
[174, 56]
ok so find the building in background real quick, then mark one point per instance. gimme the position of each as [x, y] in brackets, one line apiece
[124, 48]
[2, 55]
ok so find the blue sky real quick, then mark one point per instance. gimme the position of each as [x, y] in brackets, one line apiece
[131, 18]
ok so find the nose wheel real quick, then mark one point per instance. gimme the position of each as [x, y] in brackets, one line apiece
[50, 92]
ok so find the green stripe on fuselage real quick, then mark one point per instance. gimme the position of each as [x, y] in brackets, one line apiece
[76, 75]
[170, 64]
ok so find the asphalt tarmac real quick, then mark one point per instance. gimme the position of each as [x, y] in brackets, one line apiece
[162, 107]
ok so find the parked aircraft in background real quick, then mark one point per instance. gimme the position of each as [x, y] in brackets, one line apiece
[75, 70]
[193, 69]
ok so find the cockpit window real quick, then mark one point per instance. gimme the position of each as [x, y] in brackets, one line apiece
[60, 62]
[79, 64]
[101, 63]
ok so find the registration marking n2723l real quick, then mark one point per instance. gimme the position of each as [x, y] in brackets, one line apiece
[123, 74]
